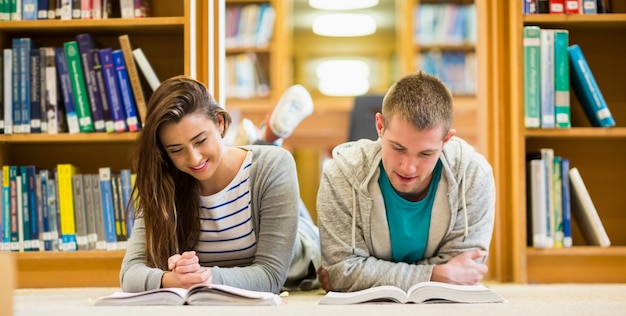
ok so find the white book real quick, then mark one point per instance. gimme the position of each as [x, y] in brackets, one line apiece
[538, 206]
[548, 119]
[424, 292]
[200, 294]
[7, 81]
[146, 68]
[585, 212]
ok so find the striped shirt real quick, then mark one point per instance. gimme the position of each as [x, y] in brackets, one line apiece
[226, 232]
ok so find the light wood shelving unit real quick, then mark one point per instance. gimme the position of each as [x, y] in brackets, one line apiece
[598, 153]
[168, 40]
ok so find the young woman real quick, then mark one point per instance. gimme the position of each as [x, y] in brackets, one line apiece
[207, 212]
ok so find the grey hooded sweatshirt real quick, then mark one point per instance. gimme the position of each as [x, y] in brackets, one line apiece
[354, 233]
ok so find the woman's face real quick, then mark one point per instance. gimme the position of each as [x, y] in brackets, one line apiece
[194, 145]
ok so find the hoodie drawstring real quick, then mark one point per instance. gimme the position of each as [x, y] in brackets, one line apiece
[353, 220]
[466, 232]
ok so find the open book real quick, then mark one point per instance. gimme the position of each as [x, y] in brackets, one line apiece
[200, 294]
[425, 292]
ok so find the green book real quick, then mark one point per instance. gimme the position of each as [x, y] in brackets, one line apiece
[532, 77]
[561, 79]
[83, 110]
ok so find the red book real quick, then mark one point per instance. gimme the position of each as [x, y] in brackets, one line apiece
[572, 7]
[557, 6]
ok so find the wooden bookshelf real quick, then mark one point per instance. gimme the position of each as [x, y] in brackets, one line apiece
[598, 153]
[169, 42]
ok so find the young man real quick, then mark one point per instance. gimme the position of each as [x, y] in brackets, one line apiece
[415, 205]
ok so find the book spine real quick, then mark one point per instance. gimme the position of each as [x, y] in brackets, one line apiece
[565, 194]
[13, 186]
[604, 6]
[76, 11]
[47, 236]
[547, 157]
[6, 208]
[66, 206]
[127, 8]
[543, 6]
[85, 45]
[561, 79]
[589, 7]
[25, 209]
[35, 91]
[133, 77]
[572, 7]
[96, 9]
[101, 242]
[118, 206]
[113, 90]
[557, 6]
[29, 10]
[42, 9]
[66, 91]
[77, 79]
[128, 203]
[587, 91]
[547, 78]
[34, 208]
[52, 7]
[532, 77]
[85, 9]
[15, 87]
[585, 212]
[132, 121]
[7, 74]
[557, 196]
[90, 215]
[51, 99]
[26, 46]
[108, 211]
[109, 126]
[42, 89]
[146, 69]
[53, 211]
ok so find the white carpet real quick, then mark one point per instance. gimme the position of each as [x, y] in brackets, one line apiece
[526, 300]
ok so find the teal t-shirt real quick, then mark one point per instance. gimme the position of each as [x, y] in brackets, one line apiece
[409, 222]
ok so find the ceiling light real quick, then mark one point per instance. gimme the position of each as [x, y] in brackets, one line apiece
[342, 4]
[343, 77]
[344, 24]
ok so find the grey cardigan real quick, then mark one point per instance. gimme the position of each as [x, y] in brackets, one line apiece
[275, 207]
[356, 247]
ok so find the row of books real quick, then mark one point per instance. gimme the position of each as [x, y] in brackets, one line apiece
[64, 210]
[17, 10]
[249, 25]
[246, 77]
[445, 24]
[457, 69]
[552, 69]
[556, 194]
[77, 88]
[567, 6]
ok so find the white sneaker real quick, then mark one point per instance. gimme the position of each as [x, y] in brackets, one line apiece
[294, 105]
[247, 133]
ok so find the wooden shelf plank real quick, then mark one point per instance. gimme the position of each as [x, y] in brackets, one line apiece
[577, 132]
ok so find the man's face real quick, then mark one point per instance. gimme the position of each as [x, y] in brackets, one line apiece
[409, 155]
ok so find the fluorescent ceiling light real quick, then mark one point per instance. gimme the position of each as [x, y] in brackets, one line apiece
[342, 4]
[344, 24]
[343, 77]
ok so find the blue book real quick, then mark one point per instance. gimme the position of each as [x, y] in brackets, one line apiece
[109, 127]
[26, 45]
[45, 215]
[128, 101]
[2, 213]
[113, 90]
[29, 9]
[35, 91]
[26, 212]
[587, 91]
[34, 208]
[16, 80]
[85, 45]
[106, 193]
[567, 210]
[6, 208]
[66, 91]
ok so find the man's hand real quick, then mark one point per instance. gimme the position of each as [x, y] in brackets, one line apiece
[462, 269]
[185, 271]
[324, 278]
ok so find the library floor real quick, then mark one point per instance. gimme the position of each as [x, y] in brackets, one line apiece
[556, 299]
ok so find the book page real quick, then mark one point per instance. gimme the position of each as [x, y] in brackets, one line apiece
[163, 296]
[218, 294]
[432, 292]
[385, 293]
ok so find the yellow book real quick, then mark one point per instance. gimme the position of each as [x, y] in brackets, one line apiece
[66, 205]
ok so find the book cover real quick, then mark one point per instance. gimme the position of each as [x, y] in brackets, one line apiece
[566, 203]
[146, 68]
[587, 90]
[109, 126]
[561, 79]
[213, 295]
[114, 94]
[133, 77]
[71, 117]
[585, 212]
[83, 111]
[7, 87]
[532, 77]
[66, 206]
[108, 211]
[547, 78]
[424, 292]
[51, 97]
[85, 45]
[128, 103]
